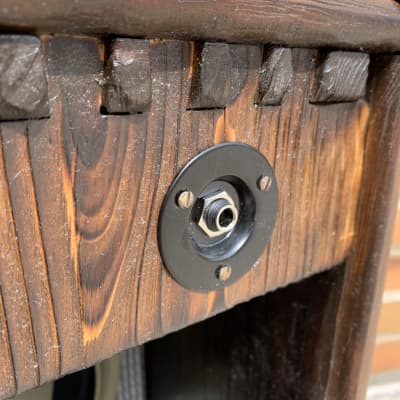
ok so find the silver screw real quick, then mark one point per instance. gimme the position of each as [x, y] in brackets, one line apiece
[224, 272]
[264, 183]
[185, 199]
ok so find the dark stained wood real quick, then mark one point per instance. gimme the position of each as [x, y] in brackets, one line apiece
[219, 74]
[127, 88]
[30, 244]
[276, 76]
[95, 184]
[302, 129]
[312, 340]
[342, 77]
[15, 298]
[367, 24]
[365, 269]
[274, 347]
[57, 186]
[23, 86]
[7, 375]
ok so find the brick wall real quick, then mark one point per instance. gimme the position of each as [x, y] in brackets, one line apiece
[387, 350]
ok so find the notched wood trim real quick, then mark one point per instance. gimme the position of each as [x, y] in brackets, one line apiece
[23, 83]
[276, 76]
[127, 87]
[219, 74]
[341, 77]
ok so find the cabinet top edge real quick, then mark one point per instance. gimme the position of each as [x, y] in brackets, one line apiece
[354, 24]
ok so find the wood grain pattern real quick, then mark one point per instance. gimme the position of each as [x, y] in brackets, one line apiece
[30, 244]
[94, 184]
[342, 77]
[14, 294]
[350, 24]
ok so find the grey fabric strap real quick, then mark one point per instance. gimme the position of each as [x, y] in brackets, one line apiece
[132, 384]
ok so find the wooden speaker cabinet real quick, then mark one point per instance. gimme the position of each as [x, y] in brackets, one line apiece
[103, 103]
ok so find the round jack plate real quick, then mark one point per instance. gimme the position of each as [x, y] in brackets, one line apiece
[218, 216]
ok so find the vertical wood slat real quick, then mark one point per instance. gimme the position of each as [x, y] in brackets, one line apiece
[55, 189]
[365, 270]
[8, 386]
[30, 244]
[14, 292]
